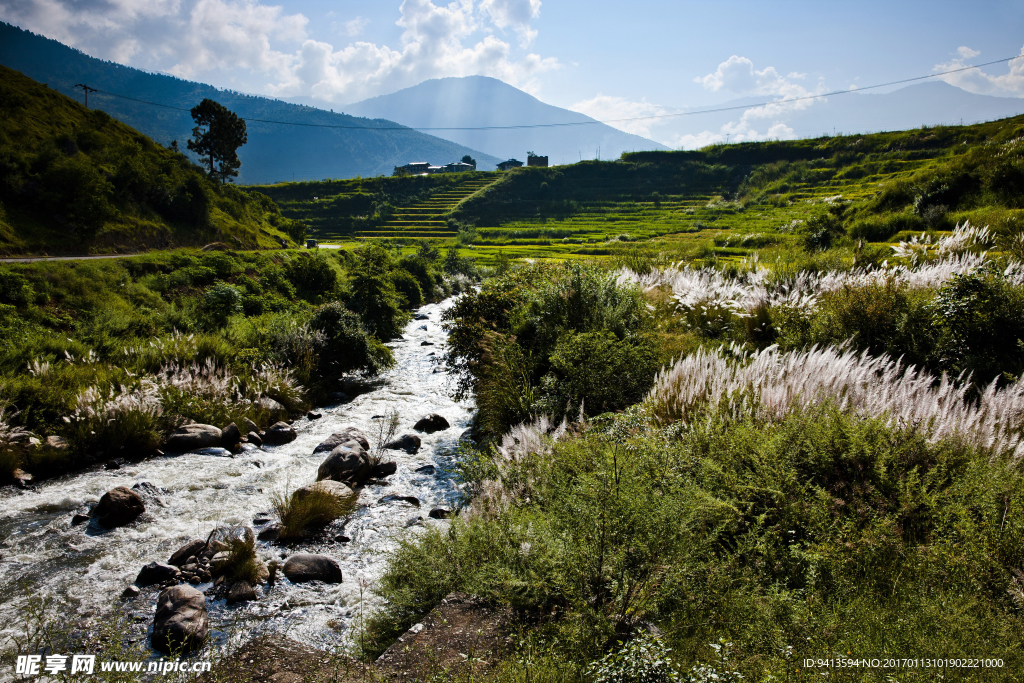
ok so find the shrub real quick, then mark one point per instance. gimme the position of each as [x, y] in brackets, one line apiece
[301, 514]
[644, 659]
[408, 286]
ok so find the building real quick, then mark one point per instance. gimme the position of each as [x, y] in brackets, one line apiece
[511, 163]
[533, 160]
[458, 167]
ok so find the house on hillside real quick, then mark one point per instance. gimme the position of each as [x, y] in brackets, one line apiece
[511, 163]
[458, 167]
[413, 168]
[534, 160]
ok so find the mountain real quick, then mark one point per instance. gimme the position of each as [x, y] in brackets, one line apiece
[274, 152]
[923, 104]
[74, 180]
[480, 102]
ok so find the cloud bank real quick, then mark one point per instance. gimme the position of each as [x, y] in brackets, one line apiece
[265, 49]
[979, 82]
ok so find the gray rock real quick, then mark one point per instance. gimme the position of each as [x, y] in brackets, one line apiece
[130, 592]
[411, 500]
[313, 416]
[279, 433]
[426, 343]
[223, 536]
[421, 316]
[114, 464]
[154, 572]
[79, 519]
[338, 438]
[335, 488]
[241, 591]
[348, 463]
[255, 439]
[383, 469]
[250, 426]
[215, 451]
[193, 437]
[431, 423]
[230, 435]
[271, 406]
[181, 623]
[117, 507]
[426, 469]
[306, 567]
[440, 513]
[271, 533]
[410, 443]
[57, 443]
[22, 479]
[181, 555]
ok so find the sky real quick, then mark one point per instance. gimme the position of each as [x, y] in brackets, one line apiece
[610, 60]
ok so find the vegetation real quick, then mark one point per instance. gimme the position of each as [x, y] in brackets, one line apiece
[74, 180]
[304, 511]
[217, 136]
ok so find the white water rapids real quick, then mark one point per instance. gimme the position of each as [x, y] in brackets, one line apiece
[87, 569]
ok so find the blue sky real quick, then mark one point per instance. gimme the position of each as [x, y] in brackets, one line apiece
[606, 59]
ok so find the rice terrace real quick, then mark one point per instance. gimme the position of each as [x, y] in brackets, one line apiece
[435, 343]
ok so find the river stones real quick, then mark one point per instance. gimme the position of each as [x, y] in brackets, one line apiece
[193, 437]
[181, 555]
[383, 469]
[335, 488]
[250, 426]
[241, 591]
[181, 623]
[410, 443]
[307, 567]
[223, 536]
[254, 439]
[154, 573]
[230, 436]
[411, 500]
[273, 407]
[117, 507]
[348, 463]
[79, 519]
[421, 316]
[279, 433]
[338, 438]
[440, 513]
[431, 423]
[57, 443]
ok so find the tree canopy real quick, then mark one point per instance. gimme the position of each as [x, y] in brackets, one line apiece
[217, 136]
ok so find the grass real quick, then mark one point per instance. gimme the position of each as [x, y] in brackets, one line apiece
[302, 514]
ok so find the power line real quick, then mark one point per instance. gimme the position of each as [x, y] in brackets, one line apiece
[590, 123]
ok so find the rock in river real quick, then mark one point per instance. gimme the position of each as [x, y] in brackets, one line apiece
[410, 443]
[335, 488]
[154, 573]
[306, 567]
[279, 433]
[193, 547]
[193, 437]
[338, 438]
[117, 507]
[431, 423]
[230, 436]
[181, 623]
[241, 591]
[348, 463]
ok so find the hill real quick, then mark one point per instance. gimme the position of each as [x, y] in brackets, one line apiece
[480, 102]
[74, 180]
[273, 153]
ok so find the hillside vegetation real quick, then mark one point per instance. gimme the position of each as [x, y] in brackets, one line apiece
[74, 180]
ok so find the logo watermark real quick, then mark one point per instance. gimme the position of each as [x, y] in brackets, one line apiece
[35, 665]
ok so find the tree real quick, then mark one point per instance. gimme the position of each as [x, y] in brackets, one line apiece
[217, 136]
[469, 160]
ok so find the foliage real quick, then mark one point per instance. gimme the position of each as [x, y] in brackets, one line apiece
[301, 513]
[217, 136]
[641, 660]
[374, 295]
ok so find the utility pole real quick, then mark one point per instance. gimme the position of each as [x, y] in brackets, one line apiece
[87, 90]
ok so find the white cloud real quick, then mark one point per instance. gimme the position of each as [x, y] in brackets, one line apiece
[265, 49]
[1009, 84]
[609, 108]
[737, 74]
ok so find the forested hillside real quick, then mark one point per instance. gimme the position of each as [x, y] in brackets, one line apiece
[74, 180]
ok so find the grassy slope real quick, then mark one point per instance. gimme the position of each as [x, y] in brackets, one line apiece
[728, 200]
[76, 181]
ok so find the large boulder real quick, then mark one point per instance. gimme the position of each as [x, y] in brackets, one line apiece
[410, 443]
[181, 623]
[117, 507]
[273, 407]
[306, 567]
[154, 573]
[230, 436]
[335, 488]
[348, 463]
[279, 433]
[383, 469]
[241, 591]
[181, 555]
[193, 437]
[338, 438]
[431, 423]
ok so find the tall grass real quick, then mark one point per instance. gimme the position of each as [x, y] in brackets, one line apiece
[767, 385]
[301, 514]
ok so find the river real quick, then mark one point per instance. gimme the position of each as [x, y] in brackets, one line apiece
[86, 569]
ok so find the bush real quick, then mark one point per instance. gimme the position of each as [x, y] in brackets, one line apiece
[345, 345]
[407, 285]
[302, 514]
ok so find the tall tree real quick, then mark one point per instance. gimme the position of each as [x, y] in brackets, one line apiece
[217, 136]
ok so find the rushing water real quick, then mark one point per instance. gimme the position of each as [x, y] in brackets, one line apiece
[87, 569]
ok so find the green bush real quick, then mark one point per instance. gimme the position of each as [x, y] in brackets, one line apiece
[408, 286]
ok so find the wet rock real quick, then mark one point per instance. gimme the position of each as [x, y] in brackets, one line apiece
[181, 623]
[384, 469]
[262, 518]
[154, 573]
[223, 536]
[250, 426]
[130, 592]
[426, 469]
[335, 488]
[421, 316]
[348, 463]
[313, 416]
[79, 519]
[440, 513]
[431, 423]
[114, 464]
[57, 443]
[467, 436]
[215, 451]
[422, 327]
[194, 580]
[181, 556]
[148, 490]
[307, 567]
[219, 561]
[338, 438]
[254, 439]
[230, 436]
[426, 343]
[193, 437]
[22, 479]
[279, 433]
[411, 500]
[117, 507]
[271, 533]
[241, 591]
[413, 521]
[410, 443]
[341, 538]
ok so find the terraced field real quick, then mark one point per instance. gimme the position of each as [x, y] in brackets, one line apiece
[427, 219]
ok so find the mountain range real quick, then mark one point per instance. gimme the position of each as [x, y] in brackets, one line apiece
[358, 147]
